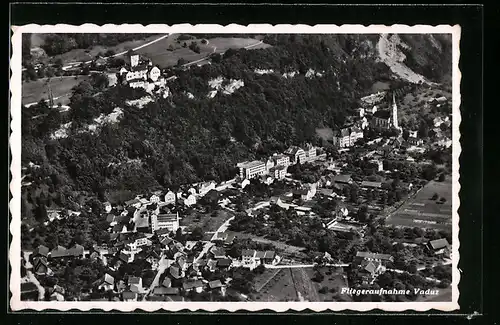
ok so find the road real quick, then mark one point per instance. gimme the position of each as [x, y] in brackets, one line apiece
[215, 49]
[301, 266]
[121, 53]
[222, 228]
[154, 284]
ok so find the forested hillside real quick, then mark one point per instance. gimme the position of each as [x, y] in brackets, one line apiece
[179, 139]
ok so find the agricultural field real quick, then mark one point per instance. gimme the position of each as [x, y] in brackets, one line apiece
[415, 104]
[34, 91]
[83, 55]
[329, 289]
[279, 287]
[168, 51]
[207, 222]
[424, 211]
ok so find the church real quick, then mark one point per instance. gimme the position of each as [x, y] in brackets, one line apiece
[385, 118]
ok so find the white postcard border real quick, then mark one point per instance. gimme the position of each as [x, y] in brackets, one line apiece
[15, 184]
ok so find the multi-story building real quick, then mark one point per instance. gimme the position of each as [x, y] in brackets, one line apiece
[281, 160]
[168, 221]
[310, 151]
[252, 169]
[296, 154]
[347, 136]
[278, 172]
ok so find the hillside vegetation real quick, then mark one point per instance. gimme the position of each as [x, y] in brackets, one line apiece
[179, 139]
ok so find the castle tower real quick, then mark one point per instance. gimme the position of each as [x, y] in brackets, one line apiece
[394, 112]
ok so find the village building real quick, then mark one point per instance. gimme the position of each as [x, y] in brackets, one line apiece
[278, 172]
[168, 221]
[373, 257]
[107, 283]
[129, 296]
[311, 152]
[296, 154]
[170, 197]
[40, 265]
[135, 284]
[347, 136]
[281, 160]
[439, 247]
[193, 285]
[387, 119]
[371, 185]
[190, 200]
[252, 169]
[378, 163]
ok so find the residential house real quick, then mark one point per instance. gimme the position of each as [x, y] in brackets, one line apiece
[154, 198]
[371, 185]
[175, 272]
[215, 285]
[107, 283]
[170, 197]
[169, 221]
[342, 179]
[296, 154]
[139, 242]
[326, 192]
[41, 251]
[252, 169]
[212, 265]
[218, 252]
[248, 257]
[164, 291]
[107, 207]
[190, 200]
[129, 296]
[134, 203]
[193, 285]
[439, 247]
[368, 256]
[135, 284]
[266, 179]
[269, 257]
[40, 265]
[370, 270]
[142, 223]
[167, 283]
[378, 163]
[204, 188]
[224, 263]
[56, 296]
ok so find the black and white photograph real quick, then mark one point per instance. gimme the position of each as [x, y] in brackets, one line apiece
[180, 167]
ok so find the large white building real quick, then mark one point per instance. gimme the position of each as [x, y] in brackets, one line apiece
[169, 221]
[346, 137]
[252, 169]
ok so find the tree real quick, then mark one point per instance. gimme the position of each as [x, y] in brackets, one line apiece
[435, 196]
[41, 213]
[196, 234]
[109, 53]
[442, 177]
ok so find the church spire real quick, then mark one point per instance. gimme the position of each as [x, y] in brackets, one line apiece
[394, 112]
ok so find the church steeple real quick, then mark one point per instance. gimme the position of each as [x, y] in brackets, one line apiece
[394, 112]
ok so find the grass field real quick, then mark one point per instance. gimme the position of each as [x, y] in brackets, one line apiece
[207, 222]
[413, 105]
[279, 288]
[334, 281]
[160, 54]
[305, 287]
[33, 91]
[79, 55]
[421, 211]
